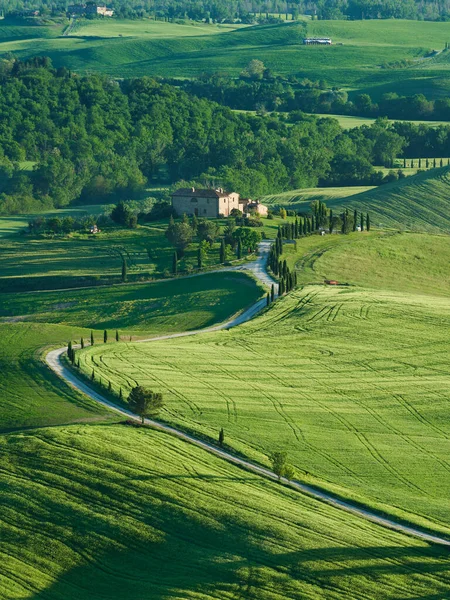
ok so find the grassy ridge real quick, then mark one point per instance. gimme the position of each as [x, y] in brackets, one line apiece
[104, 512]
[410, 263]
[419, 202]
[134, 48]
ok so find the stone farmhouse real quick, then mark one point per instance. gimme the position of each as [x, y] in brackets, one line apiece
[212, 203]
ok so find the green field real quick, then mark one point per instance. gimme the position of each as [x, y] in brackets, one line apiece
[416, 203]
[353, 382]
[407, 262]
[300, 199]
[134, 48]
[110, 512]
[349, 122]
[159, 307]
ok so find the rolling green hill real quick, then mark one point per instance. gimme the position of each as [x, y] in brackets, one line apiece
[352, 381]
[133, 48]
[420, 202]
[112, 512]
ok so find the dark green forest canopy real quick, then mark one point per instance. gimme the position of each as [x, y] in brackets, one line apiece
[93, 138]
[243, 9]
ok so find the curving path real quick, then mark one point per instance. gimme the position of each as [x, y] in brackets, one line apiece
[258, 268]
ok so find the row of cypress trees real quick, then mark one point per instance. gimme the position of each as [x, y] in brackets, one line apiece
[428, 162]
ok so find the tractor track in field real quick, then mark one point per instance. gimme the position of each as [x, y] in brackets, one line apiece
[54, 361]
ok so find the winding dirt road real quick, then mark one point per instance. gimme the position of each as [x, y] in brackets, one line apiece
[258, 268]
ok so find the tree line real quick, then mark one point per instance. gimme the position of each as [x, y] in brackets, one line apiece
[261, 90]
[247, 11]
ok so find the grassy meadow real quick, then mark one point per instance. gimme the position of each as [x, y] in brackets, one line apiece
[351, 381]
[135, 48]
[416, 203]
[160, 307]
[111, 511]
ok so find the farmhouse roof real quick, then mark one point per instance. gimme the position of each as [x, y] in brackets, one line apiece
[201, 193]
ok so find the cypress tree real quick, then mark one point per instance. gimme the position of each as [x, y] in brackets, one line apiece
[434, 163]
[239, 248]
[272, 293]
[221, 437]
[72, 356]
[308, 225]
[124, 270]
[222, 251]
[296, 228]
[404, 163]
[69, 351]
[199, 258]
[442, 162]
[280, 268]
[120, 394]
[82, 343]
[268, 298]
[313, 223]
[427, 163]
[420, 163]
[105, 336]
[117, 336]
[175, 263]
[78, 363]
[92, 338]
[362, 222]
[109, 386]
[93, 375]
[355, 220]
[330, 225]
[368, 222]
[285, 268]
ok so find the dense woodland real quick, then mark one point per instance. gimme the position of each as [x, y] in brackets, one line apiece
[93, 139]
[248, 10]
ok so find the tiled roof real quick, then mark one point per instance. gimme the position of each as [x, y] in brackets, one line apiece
[200, 193]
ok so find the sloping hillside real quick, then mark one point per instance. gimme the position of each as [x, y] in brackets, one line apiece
[420, 202]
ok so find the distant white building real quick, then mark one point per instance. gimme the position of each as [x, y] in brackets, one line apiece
[317, 42]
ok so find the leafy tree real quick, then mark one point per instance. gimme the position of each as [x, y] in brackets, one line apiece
[249, 237]
[121, 214]
[283, 213]
[279, 461]
[207, 230]
[180, 235]
[144, 402]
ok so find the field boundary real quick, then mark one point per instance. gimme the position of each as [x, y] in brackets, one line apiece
[54, 361]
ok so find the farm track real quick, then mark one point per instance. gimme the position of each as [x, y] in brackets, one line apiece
[54, 361]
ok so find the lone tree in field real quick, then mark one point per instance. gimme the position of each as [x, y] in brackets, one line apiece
[221, 437]
[145, 403]
[280, 466]
[92, 338]
[105, 336]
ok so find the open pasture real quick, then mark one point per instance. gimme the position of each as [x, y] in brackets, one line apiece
[110, 511]
[352, 383]
[130, 49]
[418, 203]
[405, 262]
[349, 122]
[159, 307]
[301, 199]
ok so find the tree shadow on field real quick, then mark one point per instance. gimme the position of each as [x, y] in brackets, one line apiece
[175, 551]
